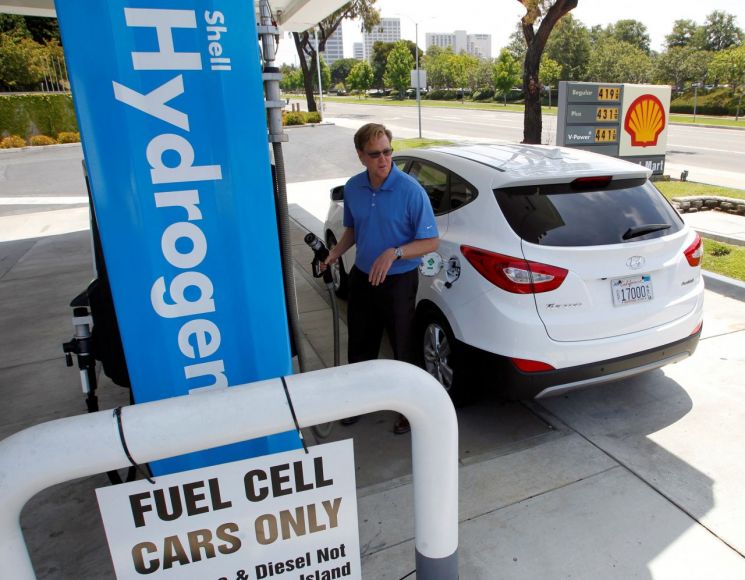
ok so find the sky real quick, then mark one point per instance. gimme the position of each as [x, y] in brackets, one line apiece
[499, 18]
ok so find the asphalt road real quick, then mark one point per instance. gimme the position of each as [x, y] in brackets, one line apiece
[714, 149]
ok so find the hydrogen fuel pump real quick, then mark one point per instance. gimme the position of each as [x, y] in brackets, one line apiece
[171, 113]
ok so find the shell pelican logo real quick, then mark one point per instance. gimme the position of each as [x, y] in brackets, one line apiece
[645, 120]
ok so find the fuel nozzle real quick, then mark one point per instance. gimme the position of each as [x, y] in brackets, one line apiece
[320, 253]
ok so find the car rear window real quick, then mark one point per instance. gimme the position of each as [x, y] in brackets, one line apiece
[562, 215]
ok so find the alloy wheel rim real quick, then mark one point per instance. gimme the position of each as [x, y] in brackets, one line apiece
[437, 353]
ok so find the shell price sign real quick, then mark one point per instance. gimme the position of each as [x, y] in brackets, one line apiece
[286, 516]
[646, 109]
[620, 120]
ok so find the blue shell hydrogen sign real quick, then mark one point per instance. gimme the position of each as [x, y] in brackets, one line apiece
[170, 105]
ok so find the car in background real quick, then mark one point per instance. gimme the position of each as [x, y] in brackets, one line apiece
[561, 269]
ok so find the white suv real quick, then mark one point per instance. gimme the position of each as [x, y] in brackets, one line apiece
[562, 268]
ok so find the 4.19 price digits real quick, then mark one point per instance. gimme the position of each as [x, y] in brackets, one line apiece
[609, 93]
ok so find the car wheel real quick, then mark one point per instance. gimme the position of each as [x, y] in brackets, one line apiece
[338, 272]
[441, 354]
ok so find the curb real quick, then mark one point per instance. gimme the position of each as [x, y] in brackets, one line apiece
[724, 285]
[707, 126]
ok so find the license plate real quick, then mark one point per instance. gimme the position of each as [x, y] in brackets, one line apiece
[631, 290]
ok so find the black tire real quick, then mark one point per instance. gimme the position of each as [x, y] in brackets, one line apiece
[441, 355]
[339, 272]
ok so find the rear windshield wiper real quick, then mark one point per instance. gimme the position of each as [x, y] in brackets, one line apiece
[644, 230]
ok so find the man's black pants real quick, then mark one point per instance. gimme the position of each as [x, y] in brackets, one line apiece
[372, 309]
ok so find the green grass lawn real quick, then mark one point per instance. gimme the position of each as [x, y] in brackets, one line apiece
[672, 189]
[516, 108]
[724, 259]
[401, 144]
[717, 121]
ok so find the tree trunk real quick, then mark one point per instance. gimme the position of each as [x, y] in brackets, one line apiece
[536, 41]
[533, 121]
[308, 71]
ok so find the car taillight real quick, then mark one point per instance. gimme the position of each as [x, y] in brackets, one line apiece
[514, 275]
[531, 366]
[695, 251]
[596, 182]
[698, 328]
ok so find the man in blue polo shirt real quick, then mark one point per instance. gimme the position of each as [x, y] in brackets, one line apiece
[388, 216]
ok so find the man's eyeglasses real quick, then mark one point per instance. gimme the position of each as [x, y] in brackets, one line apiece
[377, 154]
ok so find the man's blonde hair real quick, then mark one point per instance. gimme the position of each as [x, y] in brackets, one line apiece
[370, 132]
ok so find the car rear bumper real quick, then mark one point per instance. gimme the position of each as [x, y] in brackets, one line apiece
[547, 383]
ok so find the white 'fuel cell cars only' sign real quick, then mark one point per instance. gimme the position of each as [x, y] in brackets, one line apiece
[284, 516]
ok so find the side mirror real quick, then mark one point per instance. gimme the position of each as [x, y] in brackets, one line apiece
[337, 193]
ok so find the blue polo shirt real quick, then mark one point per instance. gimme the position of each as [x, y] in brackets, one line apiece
[393, 215]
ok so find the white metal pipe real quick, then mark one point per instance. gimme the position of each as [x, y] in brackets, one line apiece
[51, 453]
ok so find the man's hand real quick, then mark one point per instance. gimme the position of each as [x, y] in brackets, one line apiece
[330, 260]
[380, 267]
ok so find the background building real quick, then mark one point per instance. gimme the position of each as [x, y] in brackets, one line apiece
[389, 30]
[478, 45]
[358, 51]
[334, 47]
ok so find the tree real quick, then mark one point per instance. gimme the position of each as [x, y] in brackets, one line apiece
[14, 26]
[506, 73]
[398, 68]
[464, 67]
[544, 14]
[631, 31]
[550, 72]
[516, 45]
[679, 65]
[439, 67]
[379, 60]
[305, 42]
[21, 63]
[325, 76]
[569, 46]
[616, 61]
[720, 31]
[361, 77]
[43, 29]
[381, 51]
[684, 34]
[483, 76]
[728, 66]
[292, 79]
[341, 68]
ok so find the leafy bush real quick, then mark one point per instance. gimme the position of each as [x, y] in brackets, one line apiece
[483, 94]
[12, 142]
[715, 102]
[314, 117]
[68, 137]
[300, 117]
[40, 140]
[27, 115]
[293, 118]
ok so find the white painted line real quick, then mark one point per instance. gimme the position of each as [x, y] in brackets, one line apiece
[61, 200]
[698, 148]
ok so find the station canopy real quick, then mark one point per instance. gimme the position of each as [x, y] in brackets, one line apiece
[291, 15]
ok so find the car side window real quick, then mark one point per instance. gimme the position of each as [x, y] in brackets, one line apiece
[401, 163]
[435, 182]
[461, 192]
